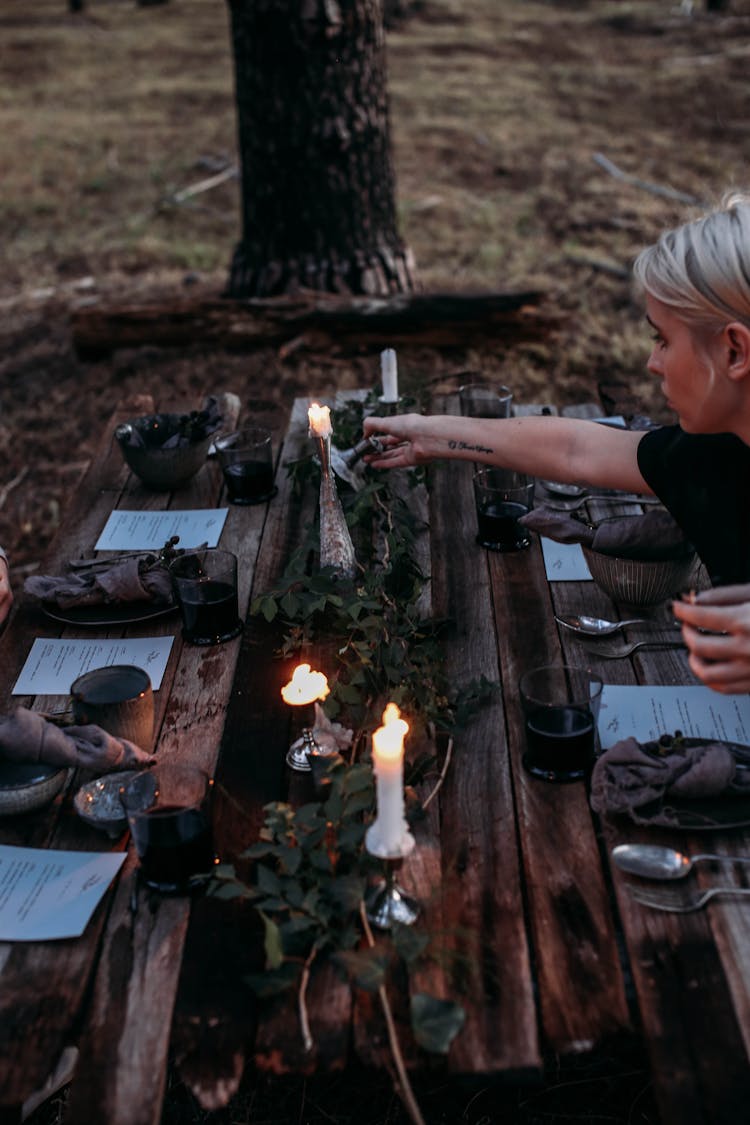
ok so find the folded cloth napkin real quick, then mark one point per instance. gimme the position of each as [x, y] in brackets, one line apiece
[26, 736]
[652, 535]
[631, 775]
[170, 431]
[144, 579]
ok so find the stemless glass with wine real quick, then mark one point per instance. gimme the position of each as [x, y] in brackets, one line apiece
[485, 400]
[502, 497]
[205, 586]
[168, 810]
[560, 707]
[247, 465]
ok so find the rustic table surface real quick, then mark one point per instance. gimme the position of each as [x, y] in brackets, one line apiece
[545, 948]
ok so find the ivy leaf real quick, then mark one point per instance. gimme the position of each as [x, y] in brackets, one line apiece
[346, 892]
[290, 604]
[351, 836]
[435, 1022]
[272, 983]
[232, 889]
[290, 858]
[272, 943]
[409, 943]
[358, 802]
[365, 967]
[268, 882]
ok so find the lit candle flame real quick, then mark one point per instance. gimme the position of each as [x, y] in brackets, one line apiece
[305, 686]
[319, 419]
[388, 740]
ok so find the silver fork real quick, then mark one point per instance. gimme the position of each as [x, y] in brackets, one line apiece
[616, 652]
[683, 906]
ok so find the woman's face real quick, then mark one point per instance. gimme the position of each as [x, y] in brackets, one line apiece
[689, 362]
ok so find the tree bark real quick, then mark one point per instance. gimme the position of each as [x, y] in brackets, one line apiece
[318, 187]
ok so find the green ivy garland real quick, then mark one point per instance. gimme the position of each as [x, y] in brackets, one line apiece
[310, 867]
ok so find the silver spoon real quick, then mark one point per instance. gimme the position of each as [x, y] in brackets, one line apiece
[600, 627]
[651, 861]
[558, 488]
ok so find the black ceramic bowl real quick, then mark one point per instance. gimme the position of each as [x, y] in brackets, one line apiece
[141, 442]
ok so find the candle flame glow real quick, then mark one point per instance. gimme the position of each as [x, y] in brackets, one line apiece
[305, 686]
[319, 419]
[388, 740]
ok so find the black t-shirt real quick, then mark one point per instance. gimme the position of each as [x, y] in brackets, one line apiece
[704, 481]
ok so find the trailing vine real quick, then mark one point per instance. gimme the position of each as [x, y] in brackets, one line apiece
[310, 867]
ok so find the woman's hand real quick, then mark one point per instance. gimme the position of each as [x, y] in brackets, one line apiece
[721, 661]
[400, 438]
[6, 594]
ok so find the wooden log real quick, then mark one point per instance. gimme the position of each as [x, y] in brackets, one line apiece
[314, 320]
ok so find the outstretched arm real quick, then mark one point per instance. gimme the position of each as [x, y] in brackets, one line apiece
[563, 449]
[721, 661]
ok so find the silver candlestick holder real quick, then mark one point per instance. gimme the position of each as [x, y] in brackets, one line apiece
[390, 407]
[336, 547]
[298, 754]
[307, 746]
[387, 903]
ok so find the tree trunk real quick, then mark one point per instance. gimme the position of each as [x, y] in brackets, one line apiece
[318, 189]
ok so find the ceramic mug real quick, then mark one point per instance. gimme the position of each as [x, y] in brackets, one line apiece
[119, 699]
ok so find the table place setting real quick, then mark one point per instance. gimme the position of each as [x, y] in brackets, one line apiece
[673, 756]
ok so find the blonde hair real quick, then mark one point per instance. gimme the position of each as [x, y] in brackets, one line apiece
[702, 268]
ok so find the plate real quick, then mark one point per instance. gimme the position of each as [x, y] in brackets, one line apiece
[705, 813]
[129, 613]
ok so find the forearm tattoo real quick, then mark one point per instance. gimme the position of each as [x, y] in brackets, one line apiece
[470, 448]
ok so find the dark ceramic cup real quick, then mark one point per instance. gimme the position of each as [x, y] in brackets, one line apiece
[119, 699]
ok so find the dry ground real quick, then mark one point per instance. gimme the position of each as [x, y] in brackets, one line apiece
[498, 108]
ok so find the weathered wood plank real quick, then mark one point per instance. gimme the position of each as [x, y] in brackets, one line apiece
[490, 969]
[198, 684]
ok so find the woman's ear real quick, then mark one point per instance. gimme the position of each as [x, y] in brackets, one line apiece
[736, 339]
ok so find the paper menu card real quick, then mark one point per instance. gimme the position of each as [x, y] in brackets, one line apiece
[149, 531]
[46, 894]
[645, 713]
[53, 663]
[564, 562]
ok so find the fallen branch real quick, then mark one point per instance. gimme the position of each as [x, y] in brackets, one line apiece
[202, 185]
[12, 484]
[314, 320]
[655, 189]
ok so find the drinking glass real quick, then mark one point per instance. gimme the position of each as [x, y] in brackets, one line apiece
[247, 465]
[560, 705]
[483, 400]
[502, 497]
[205, 586]
[169, 815]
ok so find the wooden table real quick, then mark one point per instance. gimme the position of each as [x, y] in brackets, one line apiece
[544, 946]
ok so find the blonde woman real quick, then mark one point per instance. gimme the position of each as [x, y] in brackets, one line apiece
[696, 281]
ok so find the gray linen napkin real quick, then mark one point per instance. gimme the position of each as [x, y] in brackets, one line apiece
[631, 775]
[125, 580]
[651, 535]
[26, 736]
